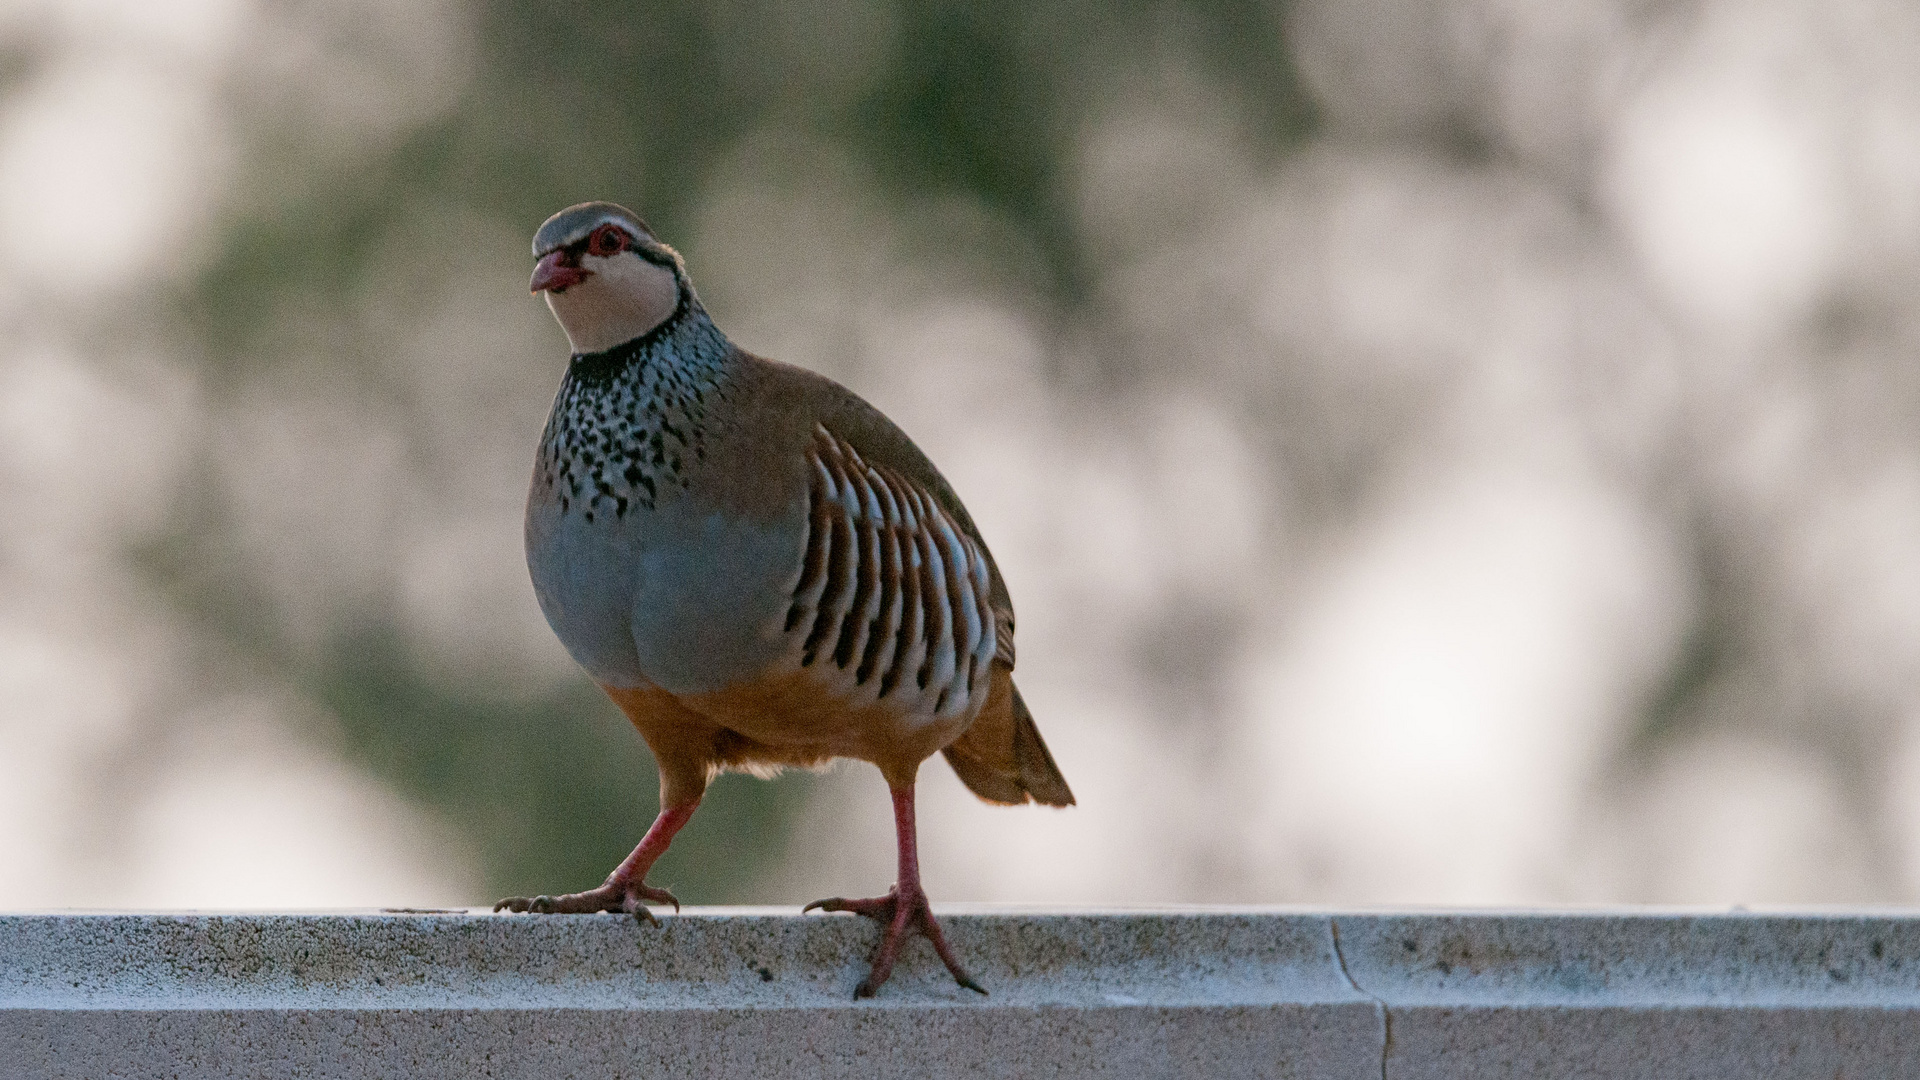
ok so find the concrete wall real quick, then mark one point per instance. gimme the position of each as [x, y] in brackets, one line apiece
[731, 993]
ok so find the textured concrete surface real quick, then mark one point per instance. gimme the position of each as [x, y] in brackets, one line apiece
[1833, 996]
[1123, 994]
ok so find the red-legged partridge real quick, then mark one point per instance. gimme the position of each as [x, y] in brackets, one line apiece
[759, 568]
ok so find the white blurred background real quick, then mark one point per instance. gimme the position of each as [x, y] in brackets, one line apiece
[1460, 452]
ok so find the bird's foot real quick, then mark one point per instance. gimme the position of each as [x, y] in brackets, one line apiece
[625, 897]
[899, 911]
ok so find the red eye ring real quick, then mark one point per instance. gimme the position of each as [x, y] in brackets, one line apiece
[607, 240]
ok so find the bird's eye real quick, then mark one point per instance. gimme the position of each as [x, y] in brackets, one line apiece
[607, 240]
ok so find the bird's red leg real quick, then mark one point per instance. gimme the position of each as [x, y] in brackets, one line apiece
[904, 908]
[626, 889]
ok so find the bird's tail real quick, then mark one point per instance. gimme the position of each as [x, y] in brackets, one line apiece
[1001, 757]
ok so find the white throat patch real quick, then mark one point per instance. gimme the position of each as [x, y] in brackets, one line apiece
[622, 297]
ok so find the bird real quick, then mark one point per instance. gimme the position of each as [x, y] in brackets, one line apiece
[760, 569]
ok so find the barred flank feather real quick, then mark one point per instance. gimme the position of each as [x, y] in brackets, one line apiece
[890, 589]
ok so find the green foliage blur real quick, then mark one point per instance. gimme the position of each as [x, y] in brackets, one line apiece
[640, 104]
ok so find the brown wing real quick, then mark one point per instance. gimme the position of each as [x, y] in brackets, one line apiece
[892, 601]
[877, 439]
[1000, 757]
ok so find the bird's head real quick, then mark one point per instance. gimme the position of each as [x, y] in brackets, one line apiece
[606, 277]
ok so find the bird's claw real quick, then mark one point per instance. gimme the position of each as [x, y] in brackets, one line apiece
[623, 899]
[642, 913]
[879, 908]
[897, 914]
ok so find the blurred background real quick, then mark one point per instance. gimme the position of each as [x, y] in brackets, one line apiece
[1462, 451]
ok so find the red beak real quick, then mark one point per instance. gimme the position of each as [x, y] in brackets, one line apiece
[554, 273]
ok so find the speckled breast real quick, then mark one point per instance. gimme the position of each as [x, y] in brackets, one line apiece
[642, 578]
